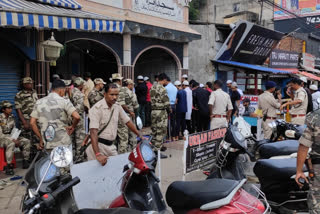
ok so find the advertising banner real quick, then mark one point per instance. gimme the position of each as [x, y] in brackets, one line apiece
[299, 7]
[200, 149]
[284, 59]
[249, 43]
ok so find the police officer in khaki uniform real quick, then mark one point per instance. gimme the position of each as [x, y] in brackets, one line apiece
[97, 93]
[128, 101]
[104, 116]
[299, 104]
[24, 103]
[54, 110]
[269, 106]
[220, 107]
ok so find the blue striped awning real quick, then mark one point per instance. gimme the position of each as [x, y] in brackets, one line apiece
[62, 3]
[23, 13]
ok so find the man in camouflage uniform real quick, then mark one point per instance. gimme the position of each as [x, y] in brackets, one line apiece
[97, 93]
[24, 103]
[78, 102]
[160, 107]
[311, 139]
[7, 123]
[54, 110]
[128, 101]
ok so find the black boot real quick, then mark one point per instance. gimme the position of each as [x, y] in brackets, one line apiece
[25, 164]
[9, 169]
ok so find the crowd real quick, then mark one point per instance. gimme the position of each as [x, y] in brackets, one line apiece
[111, 110]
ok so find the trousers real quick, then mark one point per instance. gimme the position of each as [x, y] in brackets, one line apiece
[159, 122]
[127, 139]
[103, 149]
[314, 192]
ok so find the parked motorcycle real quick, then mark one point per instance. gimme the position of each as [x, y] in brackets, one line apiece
[276, 176]
[140, 190]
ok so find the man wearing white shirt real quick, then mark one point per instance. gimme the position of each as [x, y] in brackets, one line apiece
[186, 87]
[315, 96]
[234, 84]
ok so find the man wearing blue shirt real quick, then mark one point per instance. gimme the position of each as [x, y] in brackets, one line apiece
[181, 109]
[172, 94]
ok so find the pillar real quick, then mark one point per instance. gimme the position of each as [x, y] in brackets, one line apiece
[126, 68]
[185, 62]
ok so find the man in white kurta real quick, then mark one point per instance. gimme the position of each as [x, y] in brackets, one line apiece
[186, 87]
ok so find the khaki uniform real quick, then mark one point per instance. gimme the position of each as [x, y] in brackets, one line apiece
[6, 126]
[95, 96]
[127, 139]
[311, 139]
[99, 116]
[54, 110]
[298, 112]
[221, 103]
[25, 101]
[88, 86]
[269, 105]
[160, 106]
[79, 133]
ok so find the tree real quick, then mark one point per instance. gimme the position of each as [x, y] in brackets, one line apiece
[194, 9]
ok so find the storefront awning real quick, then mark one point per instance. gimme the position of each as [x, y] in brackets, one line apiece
[23, 13]
[252, 67]
[62, 3]
[310, 69]
[311, 76]
[291, 70]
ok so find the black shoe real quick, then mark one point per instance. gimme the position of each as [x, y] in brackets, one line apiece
[9, 169]
[25, 164]
[163, 148]
[163, 156]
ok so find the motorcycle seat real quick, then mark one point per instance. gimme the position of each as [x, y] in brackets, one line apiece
[194, 194]
[276, 169]
[286, 147]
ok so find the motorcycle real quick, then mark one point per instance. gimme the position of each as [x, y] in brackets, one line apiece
[140, 190]
[49, 185]
[276, 176]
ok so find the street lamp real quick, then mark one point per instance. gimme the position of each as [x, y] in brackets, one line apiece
[52, 49]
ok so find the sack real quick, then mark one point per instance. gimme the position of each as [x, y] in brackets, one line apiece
[139, 123]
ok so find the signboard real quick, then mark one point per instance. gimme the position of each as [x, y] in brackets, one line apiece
[284, 59]
[200, 149]
[112, 3]
[253, 103]
[166, 9]
[308, 60]
[299, 7]
[249, 43]
[99, 185]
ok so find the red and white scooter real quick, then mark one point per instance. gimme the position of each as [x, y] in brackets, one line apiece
[140, 190]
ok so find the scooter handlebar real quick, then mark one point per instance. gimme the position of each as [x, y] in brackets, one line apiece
[65, 187]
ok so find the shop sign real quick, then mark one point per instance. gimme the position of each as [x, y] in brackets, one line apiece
[253, 102]
[249, 43]
[112, 3]
[200, 150]
[308, 60]
[166, 9]
[284, 59]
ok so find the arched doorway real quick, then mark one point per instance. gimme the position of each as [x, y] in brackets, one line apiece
[155, 60]
[83, 55]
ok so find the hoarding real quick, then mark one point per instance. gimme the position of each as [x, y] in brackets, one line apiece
[299, 7]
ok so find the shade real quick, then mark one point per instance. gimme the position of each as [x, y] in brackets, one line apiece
[311, 76]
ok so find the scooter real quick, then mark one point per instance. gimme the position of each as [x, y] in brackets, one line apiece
[140, 190]
[49, 186]
[276, 176]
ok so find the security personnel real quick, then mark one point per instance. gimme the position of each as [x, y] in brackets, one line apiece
[78, 102]
[7, 123]
[104, 117]
[24, 103]
[160, 107]
[117, 79]
[54, 110]
[269, 106]
[97, 93]
[220, 107]
[299, 104]
[128, 101]
[310, 139]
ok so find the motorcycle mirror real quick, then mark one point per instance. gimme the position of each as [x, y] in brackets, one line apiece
[61, 156]
[290, 133]
[139, 123]
[49, 133]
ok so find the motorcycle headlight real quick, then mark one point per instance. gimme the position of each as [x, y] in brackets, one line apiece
[147, 152]
[235, 138]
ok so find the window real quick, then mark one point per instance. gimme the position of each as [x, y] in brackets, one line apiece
[236, 7]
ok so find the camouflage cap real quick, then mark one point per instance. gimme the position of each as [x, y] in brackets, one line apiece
[5, 104]
[116, 76]
[78, 81]
[99, 80]
[129, 81]
[27, 80]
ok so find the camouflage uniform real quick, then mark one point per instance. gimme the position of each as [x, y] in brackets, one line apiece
[54, 110]
[160, 106]
[95, 96]
[6, 126]
[311, 138]
[127, 139]
[79, 132]
[25, 101]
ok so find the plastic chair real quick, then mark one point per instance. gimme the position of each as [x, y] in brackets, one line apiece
[3, 161]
